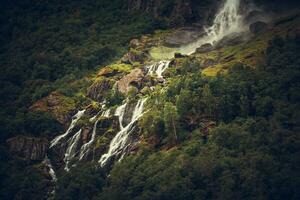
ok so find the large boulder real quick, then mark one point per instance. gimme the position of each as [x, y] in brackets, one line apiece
[30, 148]
[258, 27]
[134, 78]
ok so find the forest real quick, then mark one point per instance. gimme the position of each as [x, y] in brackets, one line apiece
[233, 135]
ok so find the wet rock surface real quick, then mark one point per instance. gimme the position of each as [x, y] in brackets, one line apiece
[30, 148]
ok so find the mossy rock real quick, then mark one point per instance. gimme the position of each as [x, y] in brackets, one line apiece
[59, 106]
[114, 69]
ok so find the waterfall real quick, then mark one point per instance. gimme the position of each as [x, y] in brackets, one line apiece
[75, 119]
[52, 174]
[120, 111]
[158, 68]
[71, 150]
[106, 113]
[228, 20]
[47, 162]
[87, 147]
[120, 142]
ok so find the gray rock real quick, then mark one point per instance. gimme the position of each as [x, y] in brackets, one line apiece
[179, 55]
[231, 40]
[258, 27]
[30, 148]
[182, 36]
[100, 89]
[204, 48]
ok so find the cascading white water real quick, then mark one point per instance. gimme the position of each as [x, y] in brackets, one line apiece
[52, 174]
[71, 150]
[227, 21]
[120, 141]
[87, 147]
[75, 119]
[106, 113]
[47, 162]
[158, 68]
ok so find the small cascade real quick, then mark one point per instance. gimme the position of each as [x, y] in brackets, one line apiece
[75, 119]
[120, 111]
[120, 142]
[158, 68]
[106, 113]
[71, 150]
[52, 173]
[87, 147]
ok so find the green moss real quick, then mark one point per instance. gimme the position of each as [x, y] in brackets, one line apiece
[162, 53]
[102, 142]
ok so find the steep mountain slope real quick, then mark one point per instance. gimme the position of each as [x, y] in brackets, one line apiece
[218, 123]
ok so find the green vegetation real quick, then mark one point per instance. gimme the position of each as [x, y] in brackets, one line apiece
[204, 134]
[249, 151]
[47, 46]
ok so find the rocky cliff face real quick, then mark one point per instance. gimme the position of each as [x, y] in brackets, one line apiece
[177, 12]
[30, 148]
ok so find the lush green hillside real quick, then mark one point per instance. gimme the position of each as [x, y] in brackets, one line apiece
[252, 152]
[46, 46]
[223, 124]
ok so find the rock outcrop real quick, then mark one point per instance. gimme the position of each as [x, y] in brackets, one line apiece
[182, 36]
[60, 106]
[30, 148]
[134, 78]
[204, 48]
[100, 89]
[177, 12]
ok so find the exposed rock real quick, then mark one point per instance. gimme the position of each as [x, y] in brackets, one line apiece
[182, 36]
[108, 72]
[30, 148]
[134, 43]
[135, 76]
[100, 89]
[86, 134]
[133, 56]
[179, 55]
[258, 27]
[231, 40]
[204, 48]
[60, 107]
[177, 12]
